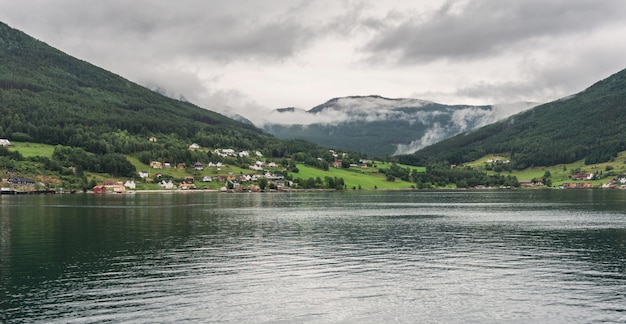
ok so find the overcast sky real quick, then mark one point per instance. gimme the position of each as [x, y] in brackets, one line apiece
[256, 55]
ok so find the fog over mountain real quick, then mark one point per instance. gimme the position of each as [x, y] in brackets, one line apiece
[463, 119]
[382, 126]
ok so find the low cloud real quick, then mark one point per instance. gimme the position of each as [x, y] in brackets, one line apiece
[433, 135]
[348, 109]
[462, 120]
[371, 109]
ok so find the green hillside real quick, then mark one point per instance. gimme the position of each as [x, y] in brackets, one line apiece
[588, 126]
[93, 119]
[49, 97]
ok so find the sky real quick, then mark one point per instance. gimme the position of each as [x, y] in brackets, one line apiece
[252, 56]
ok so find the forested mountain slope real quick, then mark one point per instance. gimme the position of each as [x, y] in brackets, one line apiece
[590, 125]
[49, 97]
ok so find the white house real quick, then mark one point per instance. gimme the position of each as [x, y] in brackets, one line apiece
[130, 184]
[244, 154]
[4, 142]
[143, 174]
[207, 179]
[259, 154]
[194, 146]
[166, 184]
[271, 176]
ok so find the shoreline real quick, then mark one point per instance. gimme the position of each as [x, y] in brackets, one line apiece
[177, 191]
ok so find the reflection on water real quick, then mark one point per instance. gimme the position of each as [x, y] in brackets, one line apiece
[459, 256]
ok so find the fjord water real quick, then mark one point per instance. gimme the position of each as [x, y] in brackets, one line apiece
[366, 257]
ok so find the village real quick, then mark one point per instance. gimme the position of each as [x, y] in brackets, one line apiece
[219, 175]
[265, 175]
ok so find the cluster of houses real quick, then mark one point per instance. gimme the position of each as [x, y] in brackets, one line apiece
[260, 166]
[580, 185]
[363, 163]
[236, 181]
[199, 166]
[227, 152]
[530, 183]
[583, 176]
[233, 153]
[13, 184]
[109, 186]
[167, 165]
[615, 183]
[577, 185]
[498, 161]
[338, 160]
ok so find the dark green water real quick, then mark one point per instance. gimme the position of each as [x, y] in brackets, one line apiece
[365, 257]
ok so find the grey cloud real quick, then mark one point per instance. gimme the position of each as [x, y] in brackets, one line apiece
[217, 29]
[482, 28]
[551, 80]
[177, 46]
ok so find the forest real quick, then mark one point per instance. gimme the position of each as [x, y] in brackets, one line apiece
[589, 126]
[49, 97]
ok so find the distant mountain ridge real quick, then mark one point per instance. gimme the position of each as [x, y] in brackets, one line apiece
[590, 126]
[373, 102]
[379, 126]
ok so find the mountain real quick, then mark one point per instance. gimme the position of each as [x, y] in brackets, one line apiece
[589, 125]
[49, 97]
[379, 126]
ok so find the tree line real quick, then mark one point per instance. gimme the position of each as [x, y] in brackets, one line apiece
[443, 176]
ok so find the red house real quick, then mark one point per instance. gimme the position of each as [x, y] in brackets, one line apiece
[580, 176]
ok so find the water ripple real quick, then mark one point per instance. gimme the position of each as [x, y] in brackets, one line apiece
[401, 257]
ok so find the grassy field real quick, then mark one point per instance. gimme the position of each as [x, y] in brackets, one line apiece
[368, 178]
[562, 173]
[32, 149]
